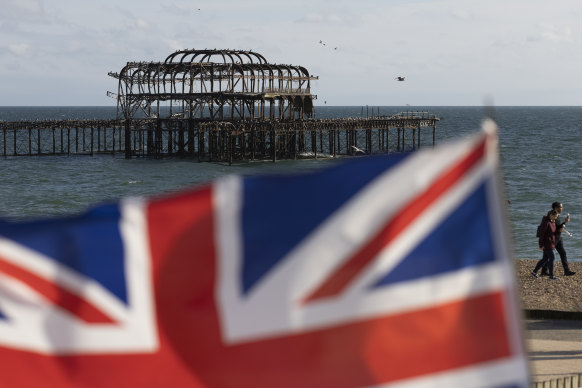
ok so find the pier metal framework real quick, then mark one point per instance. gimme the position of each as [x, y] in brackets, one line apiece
[216, 106]
[211, 85]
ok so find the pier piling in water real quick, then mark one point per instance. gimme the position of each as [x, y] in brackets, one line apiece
[219, 141]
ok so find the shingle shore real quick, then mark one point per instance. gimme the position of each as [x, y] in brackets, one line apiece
[564, 294]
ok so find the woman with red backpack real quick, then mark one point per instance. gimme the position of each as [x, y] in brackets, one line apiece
[547, 243]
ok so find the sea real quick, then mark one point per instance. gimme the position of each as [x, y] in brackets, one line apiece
[540, 153]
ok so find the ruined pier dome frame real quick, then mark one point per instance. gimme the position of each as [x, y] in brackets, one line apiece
[234, 56]
[213, 85]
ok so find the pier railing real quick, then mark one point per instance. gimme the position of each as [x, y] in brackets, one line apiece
[219, 141]
[573, 381]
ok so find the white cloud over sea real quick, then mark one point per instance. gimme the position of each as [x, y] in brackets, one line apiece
[452, 52]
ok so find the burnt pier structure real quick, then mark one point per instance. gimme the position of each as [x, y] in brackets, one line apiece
[218, 106]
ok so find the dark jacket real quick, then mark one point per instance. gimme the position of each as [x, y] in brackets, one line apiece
[559, 226]
[548, 236]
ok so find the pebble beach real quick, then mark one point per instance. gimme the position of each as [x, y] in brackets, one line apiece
[564, 294]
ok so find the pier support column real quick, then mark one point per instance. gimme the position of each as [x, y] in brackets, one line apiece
[273, 144]
[127, 140]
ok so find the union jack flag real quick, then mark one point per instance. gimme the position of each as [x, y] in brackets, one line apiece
[377, 271]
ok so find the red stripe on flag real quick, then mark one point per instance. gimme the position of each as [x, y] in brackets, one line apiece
[386, 349]
[378, 350]
[58, 296]
[344, 275]
[441, 338]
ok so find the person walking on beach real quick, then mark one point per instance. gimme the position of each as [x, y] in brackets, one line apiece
[560, 227]
[547, 243]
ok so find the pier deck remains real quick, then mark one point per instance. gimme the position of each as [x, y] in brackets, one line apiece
[218, 106]
[219, 141]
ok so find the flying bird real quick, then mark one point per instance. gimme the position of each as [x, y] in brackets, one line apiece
[399, 78]
[358, 151]
[321, 42]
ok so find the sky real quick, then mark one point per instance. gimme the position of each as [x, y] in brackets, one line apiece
[451, 52]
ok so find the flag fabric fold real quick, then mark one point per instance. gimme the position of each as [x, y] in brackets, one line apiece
[381, 271]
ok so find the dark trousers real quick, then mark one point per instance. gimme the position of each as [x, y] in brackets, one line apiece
[563, 258]
[547, 262]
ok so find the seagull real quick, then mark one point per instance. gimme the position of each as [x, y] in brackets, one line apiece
[321, 42]
[358, 151]
[399, 78]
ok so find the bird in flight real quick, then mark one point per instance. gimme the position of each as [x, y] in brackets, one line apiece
[321, 42]
[399, 78]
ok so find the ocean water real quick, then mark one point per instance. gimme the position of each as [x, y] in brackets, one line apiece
[540, 157]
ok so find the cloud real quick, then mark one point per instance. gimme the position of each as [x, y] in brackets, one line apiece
[19, 11]
[180, 9]
[460, 14]
[142, 24]
[20, 49]
[174, 45]
[27, 6]
[328, 18]
[554, 34]
[548, 32]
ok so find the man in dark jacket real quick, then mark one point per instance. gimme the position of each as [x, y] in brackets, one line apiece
[560, 227]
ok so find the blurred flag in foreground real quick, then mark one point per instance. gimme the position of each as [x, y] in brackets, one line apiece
[380, 271]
